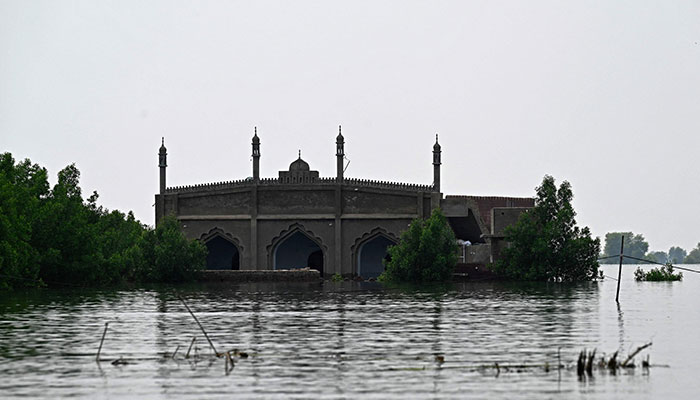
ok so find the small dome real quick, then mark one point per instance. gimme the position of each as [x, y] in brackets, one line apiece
[256, 139]
[299, 165]
[162, 146]
[339, 138]
[436, 146]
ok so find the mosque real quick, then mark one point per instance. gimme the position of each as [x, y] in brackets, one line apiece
[333, 224]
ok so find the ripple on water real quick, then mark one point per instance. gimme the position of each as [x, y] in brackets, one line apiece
[347, 340]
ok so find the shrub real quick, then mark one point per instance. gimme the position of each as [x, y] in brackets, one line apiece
[546, 245]
[426, 252]
[664, 273]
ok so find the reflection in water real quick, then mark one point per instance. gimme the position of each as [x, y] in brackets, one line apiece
[621, 325]
[333, 341]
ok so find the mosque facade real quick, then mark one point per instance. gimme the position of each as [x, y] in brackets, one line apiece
[337, 225]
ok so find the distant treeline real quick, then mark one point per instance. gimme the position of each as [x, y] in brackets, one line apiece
[51, 236]
[636, 246]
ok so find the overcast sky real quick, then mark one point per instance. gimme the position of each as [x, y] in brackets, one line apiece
[603, 94]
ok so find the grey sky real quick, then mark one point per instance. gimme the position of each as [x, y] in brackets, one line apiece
[603, 94]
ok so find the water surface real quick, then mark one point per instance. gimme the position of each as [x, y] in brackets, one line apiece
[351, 340]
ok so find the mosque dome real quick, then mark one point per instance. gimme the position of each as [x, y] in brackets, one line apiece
[299, 165]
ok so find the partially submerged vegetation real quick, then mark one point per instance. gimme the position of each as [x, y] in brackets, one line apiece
[546, 245]
[427, 252]
[51, 236]
[665, 273]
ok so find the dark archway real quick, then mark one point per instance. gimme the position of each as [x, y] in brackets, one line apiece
[298, 251]
[223, 254]
[371, 254]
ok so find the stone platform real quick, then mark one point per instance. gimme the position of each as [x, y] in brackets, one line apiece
[283, 275]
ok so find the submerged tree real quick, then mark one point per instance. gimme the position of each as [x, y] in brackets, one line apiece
[545, 244]
[677, 255]
[427, 252]
[694, 256]
[52, 236]
[635, 245]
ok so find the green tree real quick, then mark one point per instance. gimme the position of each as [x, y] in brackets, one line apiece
[22, 185]
[166, 255]
[545, 244]
[53, 236]
[694, 256]
[657, 256]
[635, 246]
[676, 255]
[426, 252]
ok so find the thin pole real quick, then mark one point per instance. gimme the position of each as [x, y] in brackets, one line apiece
[97, 357]
[200, 326]
[188, 350]
[619, 271]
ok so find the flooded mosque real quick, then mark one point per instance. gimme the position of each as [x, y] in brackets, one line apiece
[333, 224]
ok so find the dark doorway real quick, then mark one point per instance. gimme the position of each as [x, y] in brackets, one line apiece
[222, 254]
[298, 251]
[316, 261]
[370, 256]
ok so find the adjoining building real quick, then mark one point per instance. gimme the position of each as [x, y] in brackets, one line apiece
[333, 224]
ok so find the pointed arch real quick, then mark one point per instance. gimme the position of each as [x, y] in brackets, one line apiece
[297, 247]
[378, 240]
[225, 251]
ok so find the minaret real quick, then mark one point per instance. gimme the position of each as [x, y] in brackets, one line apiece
[340, 154]
[162, 163]
[436, 165]
[256, 156]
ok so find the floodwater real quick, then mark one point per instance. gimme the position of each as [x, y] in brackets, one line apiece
[350, 340]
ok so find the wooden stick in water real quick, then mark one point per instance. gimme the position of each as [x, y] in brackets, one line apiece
[97, 358]
[200, 327]
[190, 348]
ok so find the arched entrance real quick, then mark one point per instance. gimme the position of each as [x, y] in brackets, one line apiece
[223, 254]
[298, 251]
[371, 254]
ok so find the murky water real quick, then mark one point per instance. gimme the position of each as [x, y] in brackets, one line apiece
[351, 340]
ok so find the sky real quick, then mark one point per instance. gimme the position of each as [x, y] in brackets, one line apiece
[603, 94]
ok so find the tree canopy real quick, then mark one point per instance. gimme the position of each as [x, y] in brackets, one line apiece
[694, 256]
[52, 236]
[426, 252]
[677, 255]
[545, 244]
[635, 246]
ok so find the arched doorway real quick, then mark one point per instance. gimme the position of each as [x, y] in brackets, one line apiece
[223, 254]
[298, 251]
[371, 254]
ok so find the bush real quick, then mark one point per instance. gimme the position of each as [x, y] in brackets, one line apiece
[546, 245]
[664, 273]
[54, 237]
[427, 252]
[167, 256]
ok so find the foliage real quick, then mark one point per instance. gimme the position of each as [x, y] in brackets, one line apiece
[635, 246]
[167, 256]
[337, 278]
[694, 256]
[657, 256]
[664, 273]
[426, 252]
[546, 245]
[51, 236]
[676, 255]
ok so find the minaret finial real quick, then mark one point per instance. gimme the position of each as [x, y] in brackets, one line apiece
[256, 130]
[340, 130]
[436, 138]
[162, 140]
[299, 153]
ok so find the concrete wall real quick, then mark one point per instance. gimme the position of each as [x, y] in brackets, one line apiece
[338, 217]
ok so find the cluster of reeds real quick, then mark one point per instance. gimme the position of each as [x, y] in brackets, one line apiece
[587, 362]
